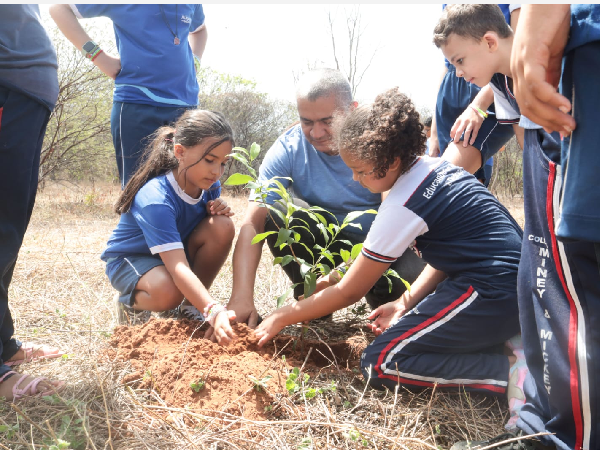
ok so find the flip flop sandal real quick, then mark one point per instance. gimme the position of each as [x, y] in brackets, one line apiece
[31, 389]
[191, 312]
[35, 353]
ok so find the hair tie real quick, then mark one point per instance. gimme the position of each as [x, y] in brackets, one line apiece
[168, 140]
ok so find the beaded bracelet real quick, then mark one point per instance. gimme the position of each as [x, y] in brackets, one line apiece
[479, 111]
[211, 311]
[96, 55]
[94, 51]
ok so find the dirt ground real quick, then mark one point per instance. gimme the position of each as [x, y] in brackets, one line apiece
[130, 388]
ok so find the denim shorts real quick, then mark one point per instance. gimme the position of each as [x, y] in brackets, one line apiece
[454, 97]
[126, 276]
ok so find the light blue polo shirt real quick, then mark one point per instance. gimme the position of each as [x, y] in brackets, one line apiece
[318, 179]
[154, 71]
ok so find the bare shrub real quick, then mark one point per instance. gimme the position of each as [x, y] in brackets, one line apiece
[507, 179]
[78, 144]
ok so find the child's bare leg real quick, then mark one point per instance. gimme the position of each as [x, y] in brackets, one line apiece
[469, 158]
[156, 291]
[209, 246]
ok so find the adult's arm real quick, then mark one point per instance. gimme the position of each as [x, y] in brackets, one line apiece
[536, 62]
[69, 25]
[246, 258]
[197, 39]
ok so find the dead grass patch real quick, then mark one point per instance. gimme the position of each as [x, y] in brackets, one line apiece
[61, 296]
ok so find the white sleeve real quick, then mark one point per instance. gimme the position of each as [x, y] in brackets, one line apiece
[394, 229]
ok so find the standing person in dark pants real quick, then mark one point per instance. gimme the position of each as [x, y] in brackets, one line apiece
[28, 92]
[559, 46]
[155, 74]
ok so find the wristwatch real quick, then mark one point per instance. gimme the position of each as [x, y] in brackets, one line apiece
[89, 47]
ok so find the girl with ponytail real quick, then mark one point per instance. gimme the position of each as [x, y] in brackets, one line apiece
[175, 232]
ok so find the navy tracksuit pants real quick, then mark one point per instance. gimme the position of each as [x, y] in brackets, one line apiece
[23, 123]
[559, 281]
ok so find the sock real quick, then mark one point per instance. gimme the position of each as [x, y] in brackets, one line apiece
[516, 378]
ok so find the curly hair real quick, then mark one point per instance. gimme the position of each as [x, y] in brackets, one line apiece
[390, 128]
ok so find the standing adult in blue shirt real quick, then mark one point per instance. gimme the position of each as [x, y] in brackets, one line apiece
[559, 46]
[155, 76]
[305, 154]
[28, 92]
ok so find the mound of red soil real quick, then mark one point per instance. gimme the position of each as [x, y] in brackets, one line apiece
[174, 359]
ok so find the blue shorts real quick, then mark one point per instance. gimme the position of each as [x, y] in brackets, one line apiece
[580, 205]
[453, 98]
[129, 271]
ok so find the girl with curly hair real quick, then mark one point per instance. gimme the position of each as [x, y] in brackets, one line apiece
[449, 330]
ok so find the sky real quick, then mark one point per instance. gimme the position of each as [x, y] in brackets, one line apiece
[269, 43]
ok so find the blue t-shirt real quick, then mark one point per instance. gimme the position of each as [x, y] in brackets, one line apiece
[585, 25]
[160, 219]
[318, 179]
[154, 71]
[451, 220]
[27, 57]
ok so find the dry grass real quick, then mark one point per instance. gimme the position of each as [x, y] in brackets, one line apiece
[61, 296]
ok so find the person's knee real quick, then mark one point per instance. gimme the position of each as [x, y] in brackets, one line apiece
[273, 221]
[368, 363]
[469, 157]
[219, 230]
[223, 229]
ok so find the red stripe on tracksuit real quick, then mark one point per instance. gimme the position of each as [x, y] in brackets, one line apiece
[415, 330]
[378, 256]
[573, 321]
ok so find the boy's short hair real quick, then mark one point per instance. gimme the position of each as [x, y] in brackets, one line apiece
[470, 21]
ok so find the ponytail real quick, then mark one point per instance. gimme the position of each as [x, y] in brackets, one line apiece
[193, 127]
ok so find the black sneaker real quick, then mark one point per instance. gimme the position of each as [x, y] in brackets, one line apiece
[517, 444]
[168, 314]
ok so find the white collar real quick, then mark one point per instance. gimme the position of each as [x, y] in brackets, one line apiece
[181, 193]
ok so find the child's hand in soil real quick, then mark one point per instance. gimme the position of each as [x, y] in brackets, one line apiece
[386, 315]
[268, 328]
[219, 207]
[222, 333]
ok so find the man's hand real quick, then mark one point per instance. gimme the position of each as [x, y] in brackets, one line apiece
[386, 315]
[108, 64]
[267, 329]
[468, 122]
[434, 146]
[222, 333]
[244, 311]
[535, 65]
